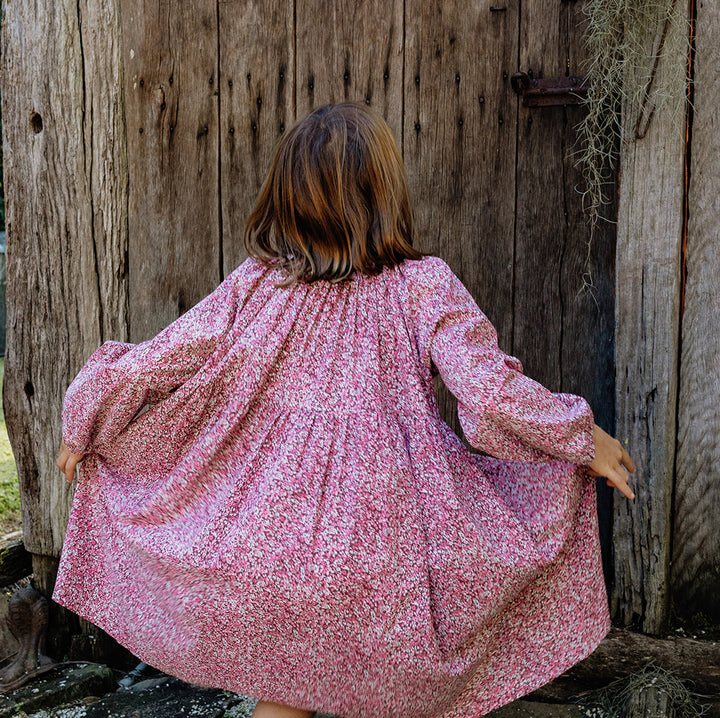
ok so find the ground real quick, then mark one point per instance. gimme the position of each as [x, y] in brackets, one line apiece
[9, 490]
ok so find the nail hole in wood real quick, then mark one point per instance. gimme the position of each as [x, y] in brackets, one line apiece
[36, 123]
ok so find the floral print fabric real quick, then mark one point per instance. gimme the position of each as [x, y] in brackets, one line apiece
[271, 504]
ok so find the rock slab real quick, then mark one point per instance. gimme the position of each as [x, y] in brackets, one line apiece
[66, 684]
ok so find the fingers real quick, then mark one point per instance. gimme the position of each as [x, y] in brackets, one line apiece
[62, 458]
[627, 462]
[617, 479]
[67, 462]
[69, 472]
[612, 461]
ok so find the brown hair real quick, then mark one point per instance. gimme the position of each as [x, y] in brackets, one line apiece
[336, 199]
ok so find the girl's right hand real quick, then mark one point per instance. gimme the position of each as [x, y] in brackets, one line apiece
[610, 458]
[67, 461]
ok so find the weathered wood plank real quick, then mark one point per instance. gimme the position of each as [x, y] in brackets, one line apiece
[588, 324]
[66, 179]
[105, 157]
[563, 332]
[459, 147]
[648, 261]
[348, 50]
[257, 70]
[541, 226]
[650, 701]
[556, 322]
[588, 314]
[170, 52]
[696, 540]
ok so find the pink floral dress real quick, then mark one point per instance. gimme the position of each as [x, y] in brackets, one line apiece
[271, 503]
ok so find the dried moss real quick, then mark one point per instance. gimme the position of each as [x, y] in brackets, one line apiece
[613, 700]
[625, 68]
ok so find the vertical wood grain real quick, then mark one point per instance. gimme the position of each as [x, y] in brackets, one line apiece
[587, 264]
[459, 147]
[560, 326]
[257, 69]
[649, 246]
[65, 178]
[563, 330]
[696, 539]
[170, 54]
[348, 50]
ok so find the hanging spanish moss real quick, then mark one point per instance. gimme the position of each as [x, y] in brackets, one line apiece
[627, 44]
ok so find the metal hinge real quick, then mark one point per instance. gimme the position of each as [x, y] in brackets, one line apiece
[546, 92]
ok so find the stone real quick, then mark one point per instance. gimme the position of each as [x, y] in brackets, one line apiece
[61, 685]
[533, 709]
[167, 698]
[160, 697]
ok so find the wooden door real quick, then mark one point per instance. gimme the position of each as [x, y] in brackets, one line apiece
[211, 89]
[163, 118]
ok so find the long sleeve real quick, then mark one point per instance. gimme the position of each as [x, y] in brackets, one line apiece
[502, 412]
[120, 378]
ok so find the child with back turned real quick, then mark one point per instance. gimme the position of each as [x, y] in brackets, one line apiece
[270, 503]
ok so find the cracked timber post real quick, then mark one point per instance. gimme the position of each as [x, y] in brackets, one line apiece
[66, 188]
[648, 286]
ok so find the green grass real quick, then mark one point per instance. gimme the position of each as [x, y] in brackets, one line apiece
[9, 489]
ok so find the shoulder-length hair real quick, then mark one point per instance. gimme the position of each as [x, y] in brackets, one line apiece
[336, 200]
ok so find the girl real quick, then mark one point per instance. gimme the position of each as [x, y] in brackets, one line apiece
[270, 502]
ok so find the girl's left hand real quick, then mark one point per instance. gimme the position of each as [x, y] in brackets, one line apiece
[611, 461]
[67, 461]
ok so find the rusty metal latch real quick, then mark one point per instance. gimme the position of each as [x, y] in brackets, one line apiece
[545, 92]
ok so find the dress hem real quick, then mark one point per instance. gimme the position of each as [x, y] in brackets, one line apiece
[571, 659]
